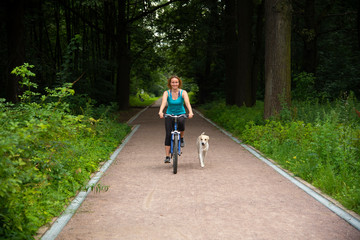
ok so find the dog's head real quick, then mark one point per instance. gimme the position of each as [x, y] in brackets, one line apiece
[203, 138]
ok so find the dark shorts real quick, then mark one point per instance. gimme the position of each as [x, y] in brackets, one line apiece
[169, 125]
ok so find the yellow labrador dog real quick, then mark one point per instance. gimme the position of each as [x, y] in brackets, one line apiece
[203, 146]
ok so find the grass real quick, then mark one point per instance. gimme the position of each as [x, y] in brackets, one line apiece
[319, 142]
[145, 100]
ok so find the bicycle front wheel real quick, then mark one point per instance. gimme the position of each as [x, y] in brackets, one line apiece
[176, 153]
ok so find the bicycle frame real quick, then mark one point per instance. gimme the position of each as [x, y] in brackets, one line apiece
[175, 141]
[175, 132]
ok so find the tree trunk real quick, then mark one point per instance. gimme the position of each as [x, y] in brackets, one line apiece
[107, 26]
[310, 38]
[58, 52]
[68, 23]
[230, 51]
[40, 41]
[258, 62]
[110, 52]
[243, 83]
[358, 23]
[206, 79]
[16, 46]
[277, 56]
[123, 67]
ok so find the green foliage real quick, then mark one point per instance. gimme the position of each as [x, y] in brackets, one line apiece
[141, 99]
[98, 188]
[193, 98]
[339, 65]
[69, 68]
[47, 155]
[304, 86]
[25, 74]
[342, 109]
[319, 143]
[145, 69]
[193, 45]
[335, 54]
[192, 89]
[233, 118]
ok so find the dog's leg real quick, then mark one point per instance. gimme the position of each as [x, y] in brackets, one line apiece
[201, 156]
[199, 150]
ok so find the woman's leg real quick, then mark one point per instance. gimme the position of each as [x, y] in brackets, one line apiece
[167, 151]
[168, 127]
[181, 124]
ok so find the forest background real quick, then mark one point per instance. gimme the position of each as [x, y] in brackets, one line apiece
[283, 76]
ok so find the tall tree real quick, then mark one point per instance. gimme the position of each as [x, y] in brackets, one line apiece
[240, 83]
[277, 56]
[310, 26]
[123, 57]
[230, 43]
[244, 93]
[258, 61]
[310, 35]
[358, 23]
[205, 78]
[16, 45]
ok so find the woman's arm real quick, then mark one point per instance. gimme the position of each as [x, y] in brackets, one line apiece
[163, 104]
[187, 103]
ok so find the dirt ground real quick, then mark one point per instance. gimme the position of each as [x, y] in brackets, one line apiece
[236, 196]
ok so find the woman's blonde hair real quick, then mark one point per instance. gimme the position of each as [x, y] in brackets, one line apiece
[169, 81]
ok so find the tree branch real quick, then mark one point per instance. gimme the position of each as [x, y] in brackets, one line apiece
[139, 53]
[336, 30]
[152, 10]
[81, 17]
[341, 14]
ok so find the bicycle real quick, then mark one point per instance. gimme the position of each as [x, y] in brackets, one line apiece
[175, 147]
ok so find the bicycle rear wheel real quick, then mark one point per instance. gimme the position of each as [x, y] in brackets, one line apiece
[176, 153]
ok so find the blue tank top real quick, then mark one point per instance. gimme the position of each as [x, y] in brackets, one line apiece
[175, 107]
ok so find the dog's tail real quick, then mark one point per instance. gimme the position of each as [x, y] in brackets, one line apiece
[203, 133]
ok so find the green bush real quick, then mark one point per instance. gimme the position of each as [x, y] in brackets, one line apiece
[233, 118]
[47, 155]
[193, 98]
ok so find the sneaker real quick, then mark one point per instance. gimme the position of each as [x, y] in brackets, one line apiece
[182, 142]
[167, 160]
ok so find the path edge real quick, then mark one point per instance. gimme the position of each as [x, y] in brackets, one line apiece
[65, 217]
[352, 220]
[137, 115]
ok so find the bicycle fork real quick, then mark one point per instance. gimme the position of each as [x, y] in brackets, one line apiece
[173, 133]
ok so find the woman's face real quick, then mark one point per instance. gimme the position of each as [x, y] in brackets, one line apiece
[174, 83]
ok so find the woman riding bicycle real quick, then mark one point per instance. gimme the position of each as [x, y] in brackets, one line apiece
[175, 98]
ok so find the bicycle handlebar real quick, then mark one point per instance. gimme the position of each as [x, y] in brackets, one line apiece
[176, 116]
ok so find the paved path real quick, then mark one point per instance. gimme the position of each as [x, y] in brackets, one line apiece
[236, 196]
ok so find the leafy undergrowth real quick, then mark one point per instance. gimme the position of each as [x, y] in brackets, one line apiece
[47, 156]
[318, 142]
